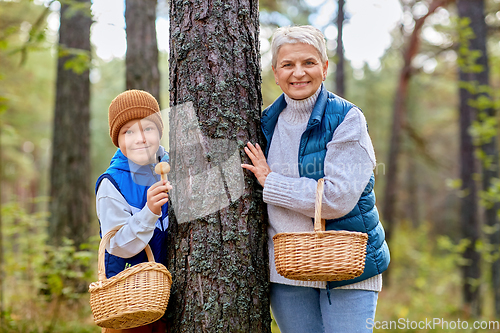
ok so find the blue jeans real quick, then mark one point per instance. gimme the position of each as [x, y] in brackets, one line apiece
[307, 310]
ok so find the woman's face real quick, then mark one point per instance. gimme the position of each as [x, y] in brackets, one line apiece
[299, 70]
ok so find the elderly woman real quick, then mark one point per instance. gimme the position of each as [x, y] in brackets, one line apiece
[311, 134]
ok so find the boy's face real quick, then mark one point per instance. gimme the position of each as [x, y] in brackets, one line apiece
[139, 140]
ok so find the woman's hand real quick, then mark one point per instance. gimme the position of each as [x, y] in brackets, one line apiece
[260, 168]
[157, 196]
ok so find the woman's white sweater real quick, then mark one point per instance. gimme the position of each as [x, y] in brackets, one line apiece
[349, 162]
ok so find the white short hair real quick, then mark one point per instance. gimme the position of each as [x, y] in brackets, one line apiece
[306, 34]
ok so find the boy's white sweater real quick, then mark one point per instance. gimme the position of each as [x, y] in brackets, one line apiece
[349, 162]
[138, 224]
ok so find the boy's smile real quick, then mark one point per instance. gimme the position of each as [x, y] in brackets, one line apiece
[139, 140]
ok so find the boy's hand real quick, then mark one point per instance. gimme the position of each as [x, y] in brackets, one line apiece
[158, 196]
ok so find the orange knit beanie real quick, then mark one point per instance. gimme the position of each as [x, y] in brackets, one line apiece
[129, 105]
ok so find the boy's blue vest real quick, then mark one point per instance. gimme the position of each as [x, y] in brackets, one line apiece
[328, 113]
[133, 182]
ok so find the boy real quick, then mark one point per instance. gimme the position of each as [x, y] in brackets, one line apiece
[129, 193]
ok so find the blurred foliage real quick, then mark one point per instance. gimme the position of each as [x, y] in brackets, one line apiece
[426, 281]
[26, 94]
[283, 12]
[78, 60]
[47, 286]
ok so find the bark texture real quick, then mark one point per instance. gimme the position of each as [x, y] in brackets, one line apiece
[141, 61]
[70, 171]
[218, 227]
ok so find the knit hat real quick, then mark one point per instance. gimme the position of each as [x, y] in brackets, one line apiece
[129, 105]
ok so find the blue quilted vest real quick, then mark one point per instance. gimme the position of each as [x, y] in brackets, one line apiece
[133, 181]
[328, 113]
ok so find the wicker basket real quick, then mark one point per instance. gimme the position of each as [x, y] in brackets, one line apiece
[320, 255]
[134, 297]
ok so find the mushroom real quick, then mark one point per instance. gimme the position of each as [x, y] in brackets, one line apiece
[163, 168]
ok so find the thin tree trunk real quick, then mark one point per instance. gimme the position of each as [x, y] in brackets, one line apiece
[70, 171]
[471, 226]
[339, 72]
[398, 120]
[141, 61]
[413, 190]
[218, 245]
[491, 219]
[2, 275]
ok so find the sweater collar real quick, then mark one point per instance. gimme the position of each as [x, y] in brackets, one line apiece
[271, 114]
[299, 111]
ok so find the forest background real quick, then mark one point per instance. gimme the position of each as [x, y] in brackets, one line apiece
[43, 287]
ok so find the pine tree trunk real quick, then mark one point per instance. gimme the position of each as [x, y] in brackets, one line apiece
[2, 275]
[339, 72]
[218, 227]
[469, 216]
[70, 171]
[490, 171]
[471, 226]
[398, 121]
[141, 61]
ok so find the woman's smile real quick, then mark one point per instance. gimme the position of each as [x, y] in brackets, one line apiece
[299, 70]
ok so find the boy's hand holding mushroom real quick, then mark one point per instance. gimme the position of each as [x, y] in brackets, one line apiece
[158, 192]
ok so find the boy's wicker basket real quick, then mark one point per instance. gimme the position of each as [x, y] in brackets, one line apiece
[320, 255]
[134, 297]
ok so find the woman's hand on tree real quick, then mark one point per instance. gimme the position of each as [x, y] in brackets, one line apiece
[260, 168]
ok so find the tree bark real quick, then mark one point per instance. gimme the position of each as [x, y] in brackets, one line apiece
[218, 228]
[471, 226]
[70, 170]
[398, 121]
[141, 61]
[339, 72]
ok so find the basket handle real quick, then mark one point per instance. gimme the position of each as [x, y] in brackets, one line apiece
[102, 249]
[319, 223]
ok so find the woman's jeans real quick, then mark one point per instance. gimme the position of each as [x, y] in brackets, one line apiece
[308, 310]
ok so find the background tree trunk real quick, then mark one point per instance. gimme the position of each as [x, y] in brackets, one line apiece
[490, 161]
[491, 215]
[2, 274]
[218, 245]
[398, 121]
[473, 12]
[141, 61]
[70, 171]
[339, 72]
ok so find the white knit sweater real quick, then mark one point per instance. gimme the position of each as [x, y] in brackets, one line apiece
[349, 163]
[138, 224]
